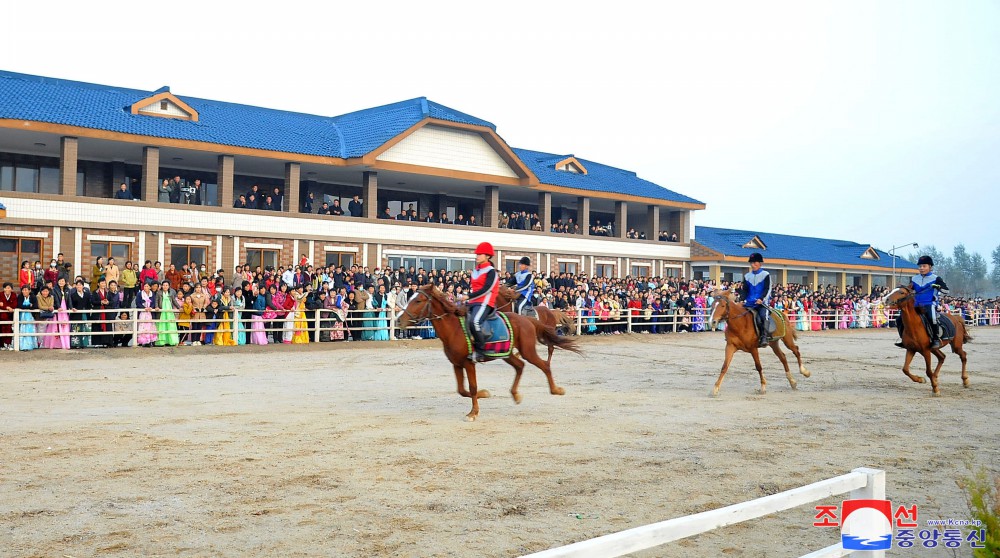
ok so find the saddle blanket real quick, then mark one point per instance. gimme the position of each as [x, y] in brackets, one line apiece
[499, 341]
[947, 327]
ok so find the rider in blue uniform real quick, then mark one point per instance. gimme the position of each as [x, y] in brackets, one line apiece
[524, 284]
[926, 286]
[756, 293]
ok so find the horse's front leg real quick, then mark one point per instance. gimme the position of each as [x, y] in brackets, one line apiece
[460, 380]
[730, 351]
[784, 362]
[470, 372]
[932, 374]
[906, 367]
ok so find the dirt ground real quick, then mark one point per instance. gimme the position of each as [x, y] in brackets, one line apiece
[361, 449]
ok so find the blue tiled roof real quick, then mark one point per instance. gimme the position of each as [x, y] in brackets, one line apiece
[599, 178]
[101, 107]
[729, 242]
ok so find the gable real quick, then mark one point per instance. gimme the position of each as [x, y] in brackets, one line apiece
[167, 105]
[870, 254]
[571, 164]
[447, 148]
[755, 243]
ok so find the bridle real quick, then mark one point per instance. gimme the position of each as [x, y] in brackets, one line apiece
[426, 313]
[726, 317]
[900, 301]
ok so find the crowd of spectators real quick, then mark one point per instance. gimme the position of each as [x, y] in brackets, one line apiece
[260, 198]
[191, 305]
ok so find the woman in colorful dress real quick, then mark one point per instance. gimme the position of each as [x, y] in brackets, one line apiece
[224, 329]
[8, 305]
[213, 313]
[145, 302]
[26, 277]
[59, 324]
[166, 323]
[300, 324]
[380, 306]
[25, 305]
[79, 309]
[288, 323]
[239, 305]
[257, 334]
[96, 273]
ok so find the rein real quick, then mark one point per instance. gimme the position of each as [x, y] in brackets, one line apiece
[427, 310]
[726, 317]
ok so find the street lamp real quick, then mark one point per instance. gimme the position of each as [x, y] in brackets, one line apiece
[892, 252]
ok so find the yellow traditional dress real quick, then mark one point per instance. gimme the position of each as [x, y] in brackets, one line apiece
[224, 333]
[301, 324]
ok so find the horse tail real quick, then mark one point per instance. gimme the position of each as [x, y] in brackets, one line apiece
[549, 337]
[965, 334]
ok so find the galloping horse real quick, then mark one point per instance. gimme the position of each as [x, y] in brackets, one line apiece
[546, 317]
[742, 336]
[429, 303]
[916, 340]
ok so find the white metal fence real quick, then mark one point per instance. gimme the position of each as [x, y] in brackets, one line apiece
[861, 483]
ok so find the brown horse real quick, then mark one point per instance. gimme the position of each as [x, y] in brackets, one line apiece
[429, 303]
[916, 340]
[742, 336]
[546, 317]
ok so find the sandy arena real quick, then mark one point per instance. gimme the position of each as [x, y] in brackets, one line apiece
[360, 449]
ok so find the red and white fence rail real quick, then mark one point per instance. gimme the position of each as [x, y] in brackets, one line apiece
[861, 483]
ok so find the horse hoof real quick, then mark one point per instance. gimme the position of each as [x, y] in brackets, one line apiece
[920, 380]
[715, 393]
[762, 391]
[794, 385]
[470, 417]
[806, 373]
[965, 383]
[517, 398]
[936, 393]
[559, 391]
[483, 394]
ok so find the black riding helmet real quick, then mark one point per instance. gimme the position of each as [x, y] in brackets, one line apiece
[756, 257]
[925, 260]
[525, 260]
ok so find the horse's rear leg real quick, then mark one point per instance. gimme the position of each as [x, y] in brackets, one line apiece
[906, 367]
[760, 370]
[784, 362]
[730, 351]
[956, 347]
[790, 343]
[518, 365]
[931, 375]
[529, 353]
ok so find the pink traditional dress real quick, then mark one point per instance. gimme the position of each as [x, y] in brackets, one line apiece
[147, 328]
[59, 324]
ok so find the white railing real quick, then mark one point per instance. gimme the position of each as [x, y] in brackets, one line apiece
[862, 483]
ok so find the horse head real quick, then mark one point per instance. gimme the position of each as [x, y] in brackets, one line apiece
[505, 297]
[897, 296]
[723, 300]
[427, 303]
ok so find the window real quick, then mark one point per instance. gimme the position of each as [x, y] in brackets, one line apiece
[605, 270]
[120, 251]
[13, 251]
[262, 257]
[567, 267]
[451, 211]
[345, 259]
[510, 265]
[639, 271]
[26, 179]
[48, 180]
[7, 178]
[163, 105]
[449, 264]
[180, 255]
[396, 206]
[43, 180]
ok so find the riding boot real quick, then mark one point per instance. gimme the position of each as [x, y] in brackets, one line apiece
[899, 328]
[477, 346]
[936, 337]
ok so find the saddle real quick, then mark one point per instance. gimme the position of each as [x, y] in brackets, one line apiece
[498, 340]
[771, 325]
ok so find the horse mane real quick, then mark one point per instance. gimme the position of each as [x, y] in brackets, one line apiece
[507, 292]
[438, 295]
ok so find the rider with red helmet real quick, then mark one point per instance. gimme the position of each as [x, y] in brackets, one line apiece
[483, 296]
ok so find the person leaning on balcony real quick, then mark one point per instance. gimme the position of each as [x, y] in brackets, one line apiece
[356, 207]
[123, 193]
[241, 203]
[336, 210]
[387, 214]
[163, 193]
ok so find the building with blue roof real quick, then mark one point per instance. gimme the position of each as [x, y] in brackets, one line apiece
[83, 165]
[721, 254]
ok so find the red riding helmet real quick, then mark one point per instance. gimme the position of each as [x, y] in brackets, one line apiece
[485, 248]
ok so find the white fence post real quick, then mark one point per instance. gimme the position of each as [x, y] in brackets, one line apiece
[16, 324]
[628, 320]
[874, 489]
[135, 327]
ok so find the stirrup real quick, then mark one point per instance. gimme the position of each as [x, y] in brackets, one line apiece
[900, 345]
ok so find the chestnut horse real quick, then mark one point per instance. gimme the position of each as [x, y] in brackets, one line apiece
[916, 340]
[546, 316]
[741, 335]
[430, 303]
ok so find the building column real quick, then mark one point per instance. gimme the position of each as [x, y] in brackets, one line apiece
[783, 276]
[684, 223]
[715, 273]
[866, 283]
[545, 210]
[653, 222]
[150, 173]
[583, 214]
[621, 219]
[292, 178]
[814, 279]
[369, 194]
[225, 180]
[842, 282]
[491, 207]
[68, 151]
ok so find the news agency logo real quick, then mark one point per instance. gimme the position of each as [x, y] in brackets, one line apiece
[866, 525]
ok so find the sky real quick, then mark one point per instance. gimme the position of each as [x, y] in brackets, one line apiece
[876, 122]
